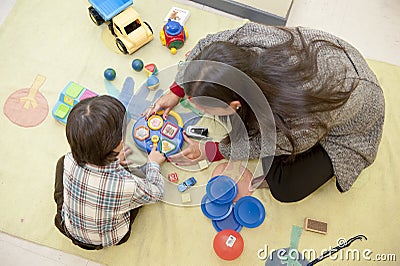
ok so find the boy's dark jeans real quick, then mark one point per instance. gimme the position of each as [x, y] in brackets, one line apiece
[59, 199]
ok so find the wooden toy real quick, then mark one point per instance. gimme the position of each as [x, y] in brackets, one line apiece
[315, 226]
[186, 197]
[69, 97]
[203, 164]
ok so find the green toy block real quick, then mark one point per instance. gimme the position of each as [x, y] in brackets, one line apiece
[62, 111]
[74, 90]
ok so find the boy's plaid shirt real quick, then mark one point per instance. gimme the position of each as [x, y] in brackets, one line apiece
[98, 200]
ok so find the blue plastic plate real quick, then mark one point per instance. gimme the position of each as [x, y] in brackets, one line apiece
[221, 189]
[229, 222]
[249, 212]
[215, 211]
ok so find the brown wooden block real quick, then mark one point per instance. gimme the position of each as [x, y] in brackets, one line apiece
[315, 226]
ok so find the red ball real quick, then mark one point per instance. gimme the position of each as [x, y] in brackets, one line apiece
[228, 244]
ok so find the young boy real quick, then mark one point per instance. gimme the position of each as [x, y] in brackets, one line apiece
[97, 198]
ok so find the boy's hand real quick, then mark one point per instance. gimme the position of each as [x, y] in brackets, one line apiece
[156, 156]
[123, 155]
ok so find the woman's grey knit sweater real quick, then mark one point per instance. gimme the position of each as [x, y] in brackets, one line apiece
[356, 127]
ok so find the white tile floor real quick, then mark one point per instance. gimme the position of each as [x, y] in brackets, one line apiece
[18, 252]
[371, 26]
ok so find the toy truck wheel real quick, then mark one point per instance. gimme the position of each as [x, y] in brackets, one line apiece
[121, 46]
[147, 24]
[111, 28]
[95, 17]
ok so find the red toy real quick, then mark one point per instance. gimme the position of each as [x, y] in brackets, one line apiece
[173, 35]
[173, 177]
[151, 69]
[228, 244]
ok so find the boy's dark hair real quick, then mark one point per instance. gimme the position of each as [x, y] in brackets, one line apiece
[95, 127]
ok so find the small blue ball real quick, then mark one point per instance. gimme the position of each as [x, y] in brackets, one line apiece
[137, 65]
[110, 74]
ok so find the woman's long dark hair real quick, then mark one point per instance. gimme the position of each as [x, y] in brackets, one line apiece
[288, 76]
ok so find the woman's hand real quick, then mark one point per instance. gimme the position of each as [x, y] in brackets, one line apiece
[166, 102]
[123, 155]
[194, 153]
[156, 156]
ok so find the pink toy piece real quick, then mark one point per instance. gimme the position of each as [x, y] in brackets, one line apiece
[87, 94]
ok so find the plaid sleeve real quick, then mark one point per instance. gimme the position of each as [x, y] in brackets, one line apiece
[149, 189]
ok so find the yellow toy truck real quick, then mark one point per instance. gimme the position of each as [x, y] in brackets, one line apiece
[125, 24]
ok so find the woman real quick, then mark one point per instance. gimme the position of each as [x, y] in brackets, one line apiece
[326, 103]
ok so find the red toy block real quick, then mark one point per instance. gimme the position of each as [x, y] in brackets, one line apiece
[173, 177]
